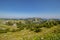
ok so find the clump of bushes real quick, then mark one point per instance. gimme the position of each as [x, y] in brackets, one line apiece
[36, 27]
[4, 30]
[9, 23]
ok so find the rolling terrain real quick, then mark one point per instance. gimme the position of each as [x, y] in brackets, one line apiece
[30, 29]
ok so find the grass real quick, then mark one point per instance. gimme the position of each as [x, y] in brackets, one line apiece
[46, 34]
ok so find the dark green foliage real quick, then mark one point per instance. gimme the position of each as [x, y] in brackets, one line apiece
[33, 25]
[20, 26]
[9, 23]
[49, 23]
[36, 27]
[4, 30]
[37, 30]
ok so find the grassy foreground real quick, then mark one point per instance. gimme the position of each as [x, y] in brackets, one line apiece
[46, 34]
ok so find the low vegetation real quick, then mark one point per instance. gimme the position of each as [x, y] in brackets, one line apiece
[30, 29]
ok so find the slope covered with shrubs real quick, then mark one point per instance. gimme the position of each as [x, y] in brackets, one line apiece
[31, 29]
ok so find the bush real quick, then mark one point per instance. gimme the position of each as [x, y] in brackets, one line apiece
[37, 30]
[9, 23]
[4, 31]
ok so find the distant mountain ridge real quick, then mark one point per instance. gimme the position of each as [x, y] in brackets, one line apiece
[28, 18]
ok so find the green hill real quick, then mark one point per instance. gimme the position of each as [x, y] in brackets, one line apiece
[30, 30]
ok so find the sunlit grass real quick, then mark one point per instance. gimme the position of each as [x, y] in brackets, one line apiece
[30, 35]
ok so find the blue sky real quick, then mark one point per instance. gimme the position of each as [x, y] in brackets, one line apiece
[29, 8]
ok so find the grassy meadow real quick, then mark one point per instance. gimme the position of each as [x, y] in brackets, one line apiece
[30, 29]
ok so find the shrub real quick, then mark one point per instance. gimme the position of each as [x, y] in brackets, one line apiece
[9, 23]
